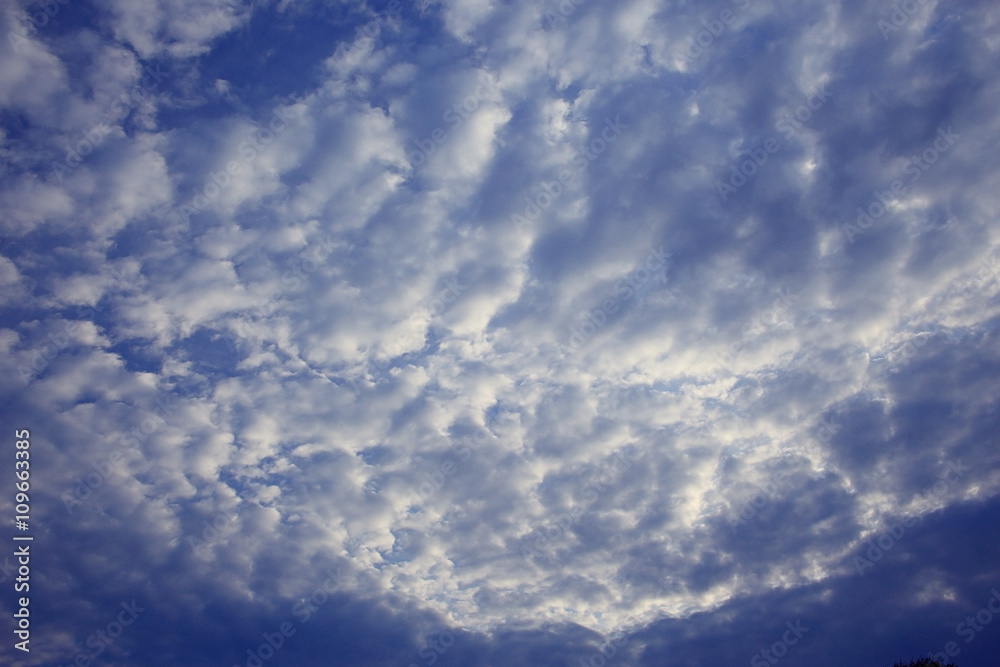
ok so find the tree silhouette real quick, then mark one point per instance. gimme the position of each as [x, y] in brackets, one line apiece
[924, 662]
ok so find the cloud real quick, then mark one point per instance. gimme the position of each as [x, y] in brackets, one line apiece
[377, 334]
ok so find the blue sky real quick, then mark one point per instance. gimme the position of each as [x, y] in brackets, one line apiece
[481, 332]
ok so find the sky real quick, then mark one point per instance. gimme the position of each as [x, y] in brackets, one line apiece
[497, 332]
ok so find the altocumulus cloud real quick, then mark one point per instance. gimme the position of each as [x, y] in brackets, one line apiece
[299, 389]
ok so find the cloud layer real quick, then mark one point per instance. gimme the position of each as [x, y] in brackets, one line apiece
[466, 332]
